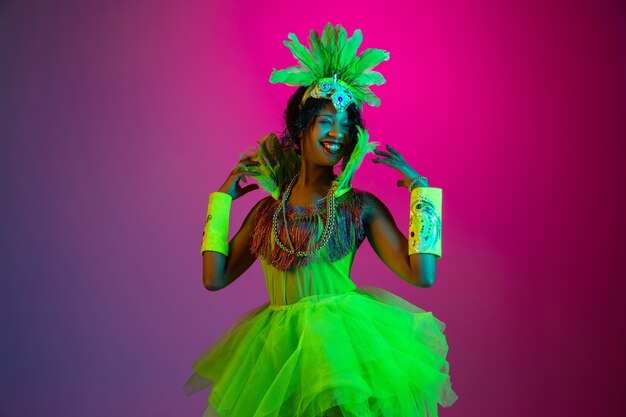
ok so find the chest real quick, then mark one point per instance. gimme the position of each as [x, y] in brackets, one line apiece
[290, 236]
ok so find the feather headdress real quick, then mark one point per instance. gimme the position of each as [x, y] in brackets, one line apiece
[332, 70]
[333, 57]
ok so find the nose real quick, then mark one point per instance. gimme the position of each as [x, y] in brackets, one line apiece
[335, 131]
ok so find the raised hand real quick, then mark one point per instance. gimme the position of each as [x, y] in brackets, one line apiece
[395, 160]
[241, 172]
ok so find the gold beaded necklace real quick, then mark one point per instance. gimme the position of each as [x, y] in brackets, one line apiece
[326, 231]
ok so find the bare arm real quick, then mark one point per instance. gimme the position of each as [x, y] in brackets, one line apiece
[218, 270]
[388, 242]
[391, 245]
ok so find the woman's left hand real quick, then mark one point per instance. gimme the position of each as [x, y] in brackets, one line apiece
[395, 160]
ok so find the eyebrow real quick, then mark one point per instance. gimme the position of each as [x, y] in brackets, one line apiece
[331, 116]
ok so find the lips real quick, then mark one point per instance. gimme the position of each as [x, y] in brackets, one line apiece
[333, 147]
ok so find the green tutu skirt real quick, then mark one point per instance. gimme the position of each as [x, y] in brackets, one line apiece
[359, 354]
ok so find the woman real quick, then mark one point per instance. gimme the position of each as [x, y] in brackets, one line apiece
[322, 347]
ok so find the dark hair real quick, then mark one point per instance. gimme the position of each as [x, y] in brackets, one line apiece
[299, 120]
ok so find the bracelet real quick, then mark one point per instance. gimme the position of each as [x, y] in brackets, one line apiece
[215, 236]
[415, 180]
[425, 221]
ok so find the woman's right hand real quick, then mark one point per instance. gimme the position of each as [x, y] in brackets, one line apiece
[241, 171]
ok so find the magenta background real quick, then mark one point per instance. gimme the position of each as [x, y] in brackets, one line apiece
[119, 118]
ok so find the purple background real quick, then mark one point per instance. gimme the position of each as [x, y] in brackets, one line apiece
[118, 118]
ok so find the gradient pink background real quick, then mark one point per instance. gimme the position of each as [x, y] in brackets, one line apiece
[118, 118]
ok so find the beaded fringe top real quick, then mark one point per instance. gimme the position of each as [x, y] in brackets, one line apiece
[305, 229]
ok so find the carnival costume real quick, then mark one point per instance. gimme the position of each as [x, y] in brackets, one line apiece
[321, 346]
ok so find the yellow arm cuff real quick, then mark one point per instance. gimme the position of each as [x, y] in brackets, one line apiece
[215, 237]
[425, 222]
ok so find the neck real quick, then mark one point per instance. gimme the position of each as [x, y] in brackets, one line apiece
[315, 176]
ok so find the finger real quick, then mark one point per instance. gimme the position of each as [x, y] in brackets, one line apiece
[239, 176]
[249, 188]
[400, 183]
[246, 163]
[244, 179]
[388, 162]
[250, 163]
[247, 166]
[387, 154]
[244, 171]
[396, 157]
[395, 153]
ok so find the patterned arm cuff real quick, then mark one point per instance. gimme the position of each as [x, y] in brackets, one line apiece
[215, 236]
[425, 222]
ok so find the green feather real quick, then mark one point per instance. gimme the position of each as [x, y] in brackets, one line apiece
[341, 44]
[369, 97]
[368, 59]
[341, 36]
[369, 78]
[299, 52]
[277, 164]
[358, 94]
[348, 53]
[328, 35]
[363, 94]
[293, 76]
[362, 148]
[329, 43]
[319, 52]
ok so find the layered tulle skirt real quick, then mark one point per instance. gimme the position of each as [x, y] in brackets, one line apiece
[362, 353]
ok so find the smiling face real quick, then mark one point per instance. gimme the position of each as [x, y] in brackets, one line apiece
[327, 140]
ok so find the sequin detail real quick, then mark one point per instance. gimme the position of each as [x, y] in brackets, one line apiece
[335, 90]
[426, 220]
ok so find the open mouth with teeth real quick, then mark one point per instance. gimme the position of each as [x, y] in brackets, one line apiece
[332, 147]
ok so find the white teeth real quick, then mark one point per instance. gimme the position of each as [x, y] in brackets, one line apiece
[332, 147]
